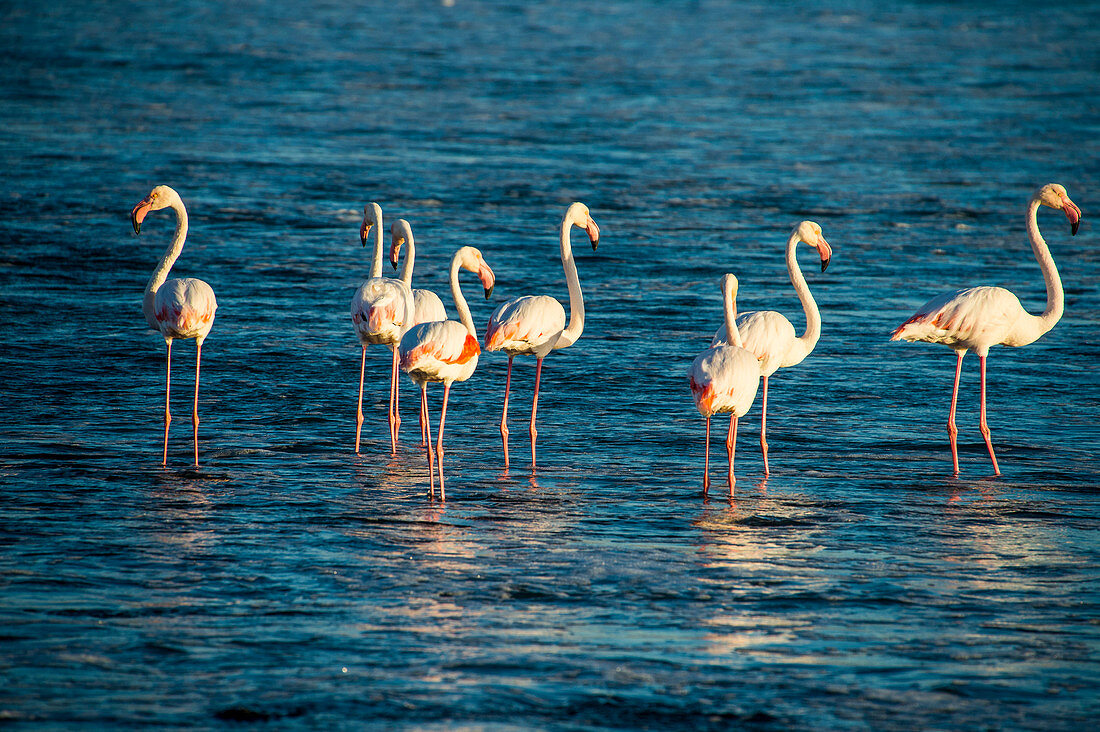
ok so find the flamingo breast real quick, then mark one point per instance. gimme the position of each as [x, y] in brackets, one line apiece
[378, 310]
[769, 336]
[185, 308]
[529, 324]
[724, 379]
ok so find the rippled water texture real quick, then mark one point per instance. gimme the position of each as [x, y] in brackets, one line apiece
[289, 580]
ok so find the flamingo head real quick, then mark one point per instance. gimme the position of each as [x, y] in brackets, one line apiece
[578, 215]
[160, 197]
[469, 258]
[810, 232]
[400, 232]
[1055, 196]
[372, 216]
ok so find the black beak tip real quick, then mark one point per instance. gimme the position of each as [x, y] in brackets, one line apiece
[362, 240]
[825, 264]
[1073, 229]
[595, 243]
[488, 292]
[137, 227]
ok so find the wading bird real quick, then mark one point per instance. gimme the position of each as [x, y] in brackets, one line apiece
[976, 318]
[535, 324]
[178, 308]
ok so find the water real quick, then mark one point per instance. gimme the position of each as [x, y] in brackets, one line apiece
[288, 580]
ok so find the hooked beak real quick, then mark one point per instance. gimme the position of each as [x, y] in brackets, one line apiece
[138, 214]
[593, 232]
[488, 279]
[364, 230]
[1073, 214]
[826, 253]
[395, 250]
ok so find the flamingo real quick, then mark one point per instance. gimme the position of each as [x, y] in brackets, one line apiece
[381, 311]
[178, 308]
[535, 324]
[771, 336]
[724, 379]
[976, 318]
[445, 350]
[427, 306]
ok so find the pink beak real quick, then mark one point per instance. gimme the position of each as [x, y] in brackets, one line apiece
[395, 250]
[138, 214]
[364, 230]
[488, 279]
[593, 232]
[1073, 214]
[826, 253]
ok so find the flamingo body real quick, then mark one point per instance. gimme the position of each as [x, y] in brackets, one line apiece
[973, 318]
[528, 325]
[427, 306]
[769, 336]
[184, 308]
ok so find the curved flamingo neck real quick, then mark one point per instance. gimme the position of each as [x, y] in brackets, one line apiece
[410, 253]
[160, 274]
[809, 306]
[379, 245]
[729, 303]
[576, 301]
[1055, 293]
[460, 301]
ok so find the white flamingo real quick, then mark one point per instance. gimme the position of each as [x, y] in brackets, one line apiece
[535, 324]
[381, 311]
[771, 336]
[178, 308]
[445, 350]
[976, 318]
[427, 306]
[724, 379]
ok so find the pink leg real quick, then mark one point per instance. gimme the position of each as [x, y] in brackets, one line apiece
[504, 414]
[535, 409]
[952, 430]
[706, 461]
[395, 419]
[423, 434]
[167, 411]
[195, 406]
[359, 414]
[428, 443]
[764, 427]
[983, 425]
[731, 443]
[439, 445]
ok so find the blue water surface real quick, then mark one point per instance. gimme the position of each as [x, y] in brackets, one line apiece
[292, 583]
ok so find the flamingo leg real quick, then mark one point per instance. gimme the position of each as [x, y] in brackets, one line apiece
[706, 461]
[359, 413]
[952, 430]
[731, 443]
[504, 414]
[439, 445]
[423, 434]
[983, 425]
[428, 443]
[395, 420]
[535, 409]
[764, 427]
[195, 405]
[167, 411]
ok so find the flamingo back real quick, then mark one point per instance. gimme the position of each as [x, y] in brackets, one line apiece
[184, 308]
[439, 351]
[427, 307]
[769, 336]
[528, 324]
[972, 318]
[724, 379]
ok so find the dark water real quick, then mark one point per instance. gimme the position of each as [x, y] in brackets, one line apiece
[291, 582]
